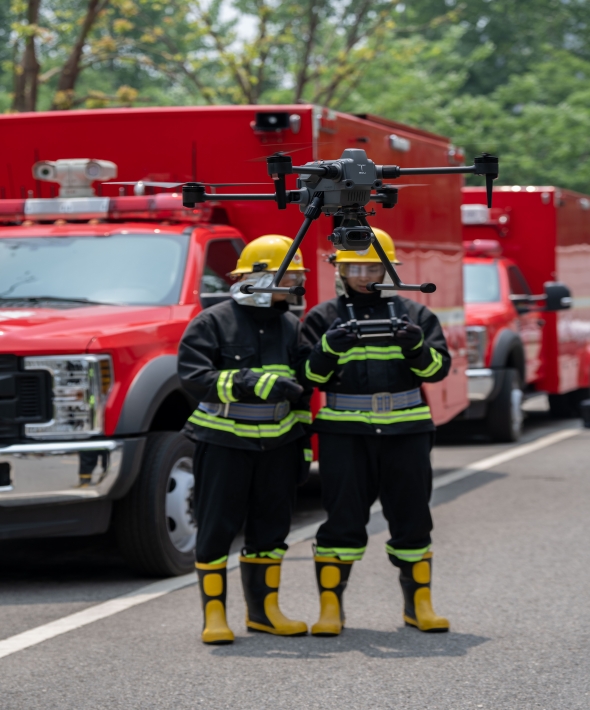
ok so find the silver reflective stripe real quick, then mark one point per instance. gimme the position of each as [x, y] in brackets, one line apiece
[378, 402]
[247, 412]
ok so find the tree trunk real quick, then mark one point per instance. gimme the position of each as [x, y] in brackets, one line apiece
[27, 75]
[71, 69]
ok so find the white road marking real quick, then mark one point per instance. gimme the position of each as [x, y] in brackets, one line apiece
[32, 637]
[512, 453]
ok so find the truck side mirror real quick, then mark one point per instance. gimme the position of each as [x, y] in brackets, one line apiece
[558, 296]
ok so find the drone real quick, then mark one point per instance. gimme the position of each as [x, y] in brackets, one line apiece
[339, 188]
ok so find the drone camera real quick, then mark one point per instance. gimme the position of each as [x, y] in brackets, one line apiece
[351, 238]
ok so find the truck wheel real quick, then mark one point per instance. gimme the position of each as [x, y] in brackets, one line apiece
[504, 418]
[567, 406]
[154, 522]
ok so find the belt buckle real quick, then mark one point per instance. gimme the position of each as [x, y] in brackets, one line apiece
[281, 410]
[213, 409]
[382, 402]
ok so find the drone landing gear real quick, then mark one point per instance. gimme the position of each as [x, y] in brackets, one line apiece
[313, 211]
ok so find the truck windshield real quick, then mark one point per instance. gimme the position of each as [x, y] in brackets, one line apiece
[481, 283]
[122, 269]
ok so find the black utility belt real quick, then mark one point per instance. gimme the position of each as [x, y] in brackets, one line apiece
[378, 402]
[247, 412]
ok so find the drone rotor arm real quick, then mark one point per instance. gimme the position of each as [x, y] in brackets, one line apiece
[397, 284]
[312, 212]
[485, 164]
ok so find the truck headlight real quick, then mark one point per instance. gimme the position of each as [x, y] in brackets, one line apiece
[477, 341]
[81, 385]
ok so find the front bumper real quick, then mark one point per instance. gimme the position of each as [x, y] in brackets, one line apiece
[67, 471]
[481, 383]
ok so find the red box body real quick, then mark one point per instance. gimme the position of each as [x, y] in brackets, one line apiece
[219, 144]
[547, 236]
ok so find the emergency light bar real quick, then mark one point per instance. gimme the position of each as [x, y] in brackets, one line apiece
[159, 207]
[483, 247]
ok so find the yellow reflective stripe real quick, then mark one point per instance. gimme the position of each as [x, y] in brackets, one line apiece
[326, 347]
[308, 454]
[283, 370]
[407, 555]
[219, 561]
[372, 352]
[265, 384]
[302, 415]
[434, 367]
[229, 386]
[276, 554]
[343, 553]
[260, 384]
[269, 384]
[397, 416]
[221, 386]
[420, 344]
[225, 383]
[314, 377]
[248, 431]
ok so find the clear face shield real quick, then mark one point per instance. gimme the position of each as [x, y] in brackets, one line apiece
[264, 279]
[372, 272]
[368, 273]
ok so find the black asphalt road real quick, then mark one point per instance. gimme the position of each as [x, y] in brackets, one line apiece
[511, 571]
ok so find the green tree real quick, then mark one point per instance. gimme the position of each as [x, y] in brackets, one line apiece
[538, 121]
[520, 32]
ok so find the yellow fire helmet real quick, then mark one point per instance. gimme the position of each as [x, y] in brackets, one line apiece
[369, 255]
[269, 249]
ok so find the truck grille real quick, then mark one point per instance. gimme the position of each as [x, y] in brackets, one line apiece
[28, 403]
[25, 397]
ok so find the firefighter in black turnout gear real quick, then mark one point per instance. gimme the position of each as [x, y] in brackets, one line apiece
[375, 436]
[240, 360]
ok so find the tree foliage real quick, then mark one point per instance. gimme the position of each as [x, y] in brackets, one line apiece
[508, 76]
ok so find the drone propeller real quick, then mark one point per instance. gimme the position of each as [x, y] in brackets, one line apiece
[149, 183]
[262, 158]
[401, 187]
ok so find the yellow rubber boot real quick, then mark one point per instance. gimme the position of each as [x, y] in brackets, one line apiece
[332, 576]
[261, 578]
[415, 579]
[213, 585]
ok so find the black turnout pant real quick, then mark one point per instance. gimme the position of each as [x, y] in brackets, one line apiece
[233, 486]
[355, 470]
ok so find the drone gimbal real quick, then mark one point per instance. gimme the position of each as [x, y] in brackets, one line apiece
[341, 188]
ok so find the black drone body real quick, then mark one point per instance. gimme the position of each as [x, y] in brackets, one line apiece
[342, 187]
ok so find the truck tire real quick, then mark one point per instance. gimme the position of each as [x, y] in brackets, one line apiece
[154, 523]
[504, 417]
[567, 406]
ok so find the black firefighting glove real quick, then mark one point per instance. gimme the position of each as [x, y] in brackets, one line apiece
[268, 386]
[337, 340]
[409, 337]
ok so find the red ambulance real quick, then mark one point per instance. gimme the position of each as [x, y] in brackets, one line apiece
[527, 302]
[97, 287]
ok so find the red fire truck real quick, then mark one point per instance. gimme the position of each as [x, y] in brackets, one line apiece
[97, 287]
[526, 332]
